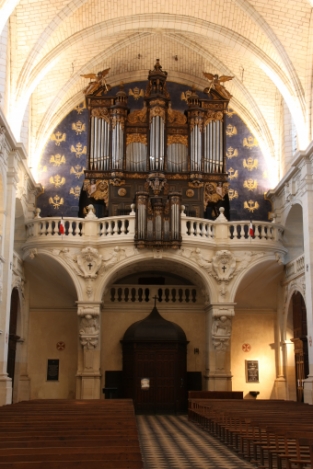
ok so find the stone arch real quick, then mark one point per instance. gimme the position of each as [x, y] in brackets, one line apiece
[206, 28]
[255, 263]
[176, 262]
[258, 124]
[291, 341]
[52, 293]
[254, 325]
[293, 232]
[34, 256]
[191, 316]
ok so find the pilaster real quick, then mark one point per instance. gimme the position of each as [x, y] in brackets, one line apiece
[219, 327]
[7, 254]
[88, 373]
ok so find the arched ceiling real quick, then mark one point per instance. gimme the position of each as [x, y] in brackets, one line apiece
[265, 44]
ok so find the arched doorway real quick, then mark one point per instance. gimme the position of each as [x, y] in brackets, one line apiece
[154, 365]
[300, 342]
[13, 337]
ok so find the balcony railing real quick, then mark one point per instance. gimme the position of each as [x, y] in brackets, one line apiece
[41, 230]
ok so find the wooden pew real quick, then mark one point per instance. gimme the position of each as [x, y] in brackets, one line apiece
[57, 433]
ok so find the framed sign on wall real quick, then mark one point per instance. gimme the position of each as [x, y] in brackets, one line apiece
[53, 366]
[252, 371]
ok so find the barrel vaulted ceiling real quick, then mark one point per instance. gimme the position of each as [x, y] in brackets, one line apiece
[265, 44]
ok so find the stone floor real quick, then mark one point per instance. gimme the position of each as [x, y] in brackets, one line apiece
[170, 442]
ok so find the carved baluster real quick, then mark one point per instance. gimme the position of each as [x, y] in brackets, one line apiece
[49, 227]
[264, 232]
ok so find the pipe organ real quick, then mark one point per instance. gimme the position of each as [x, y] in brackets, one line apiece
[139, 147]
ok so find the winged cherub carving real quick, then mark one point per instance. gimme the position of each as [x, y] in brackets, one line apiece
[215, 83]
[98, 80]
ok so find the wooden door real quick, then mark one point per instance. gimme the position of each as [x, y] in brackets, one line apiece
[155, 377]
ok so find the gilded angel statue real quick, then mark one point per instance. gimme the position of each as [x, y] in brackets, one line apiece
[98, 81]
[215, 83]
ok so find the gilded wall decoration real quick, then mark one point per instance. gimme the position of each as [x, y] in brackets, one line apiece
[232, 174]
[79, 109]
[250, 163]
[250, 184]
[77, 170]
[57, 180]
[75, 191]
[57, 159]
[231, 130]
[79, 149]
[78, 127]
[251, 205]
[56, 201]
[250, 142]
[232, 194]
[231, 152]
[58, 138]
[230, 112]
[136, 138]
[182, 139]
[136, 93]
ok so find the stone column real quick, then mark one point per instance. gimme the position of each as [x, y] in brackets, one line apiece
[219, 326]
[88, 374]
[7, 254]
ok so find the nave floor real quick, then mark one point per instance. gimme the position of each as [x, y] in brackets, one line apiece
[170, 442]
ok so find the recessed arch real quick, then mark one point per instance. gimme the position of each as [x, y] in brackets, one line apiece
[52, 276]
[293, 232]
[181, 266]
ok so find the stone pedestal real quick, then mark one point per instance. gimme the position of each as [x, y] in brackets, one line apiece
[5, 390]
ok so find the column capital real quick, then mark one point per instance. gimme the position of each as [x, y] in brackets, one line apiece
[92, 308]
[221, 309]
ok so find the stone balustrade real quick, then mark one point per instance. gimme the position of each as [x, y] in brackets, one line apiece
[122, 229]
[295, 267]
[180, 294]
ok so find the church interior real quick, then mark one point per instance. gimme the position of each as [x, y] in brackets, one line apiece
[155, 187]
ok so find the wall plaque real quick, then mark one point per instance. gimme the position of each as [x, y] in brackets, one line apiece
[53, 369]
[252, 371]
